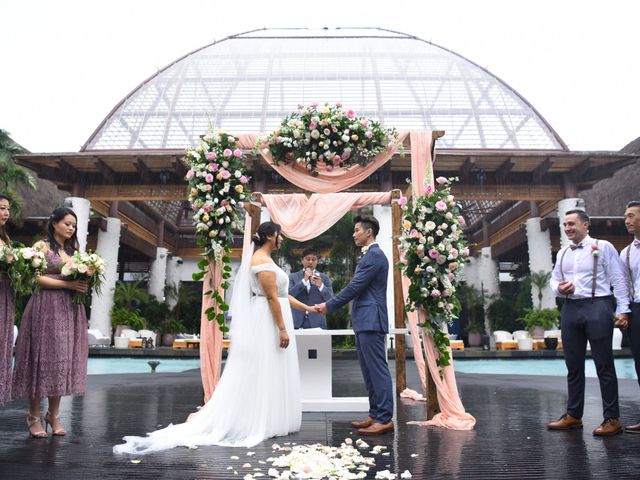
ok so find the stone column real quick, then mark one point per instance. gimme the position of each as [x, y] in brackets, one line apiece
[173, 279]
[482, 273]
[539, 244]
[385, 240]
[82, 208]
[107, 248]
[564, 206]
[158, 274]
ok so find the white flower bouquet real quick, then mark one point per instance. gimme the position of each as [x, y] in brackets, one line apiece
[87, 266]
[23, 266]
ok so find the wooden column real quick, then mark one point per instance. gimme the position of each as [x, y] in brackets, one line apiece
[400, 343]
[254, 211]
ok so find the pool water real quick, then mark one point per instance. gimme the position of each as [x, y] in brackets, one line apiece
[531, 366]
[538, 366]
[100, 365]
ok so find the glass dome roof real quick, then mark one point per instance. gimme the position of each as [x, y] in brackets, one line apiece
[247, 83]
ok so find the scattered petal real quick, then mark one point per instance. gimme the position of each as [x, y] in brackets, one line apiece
[136, 460]
[246, 465]
[234, 457]
[250, 454]
[414, 455]
[406, 474]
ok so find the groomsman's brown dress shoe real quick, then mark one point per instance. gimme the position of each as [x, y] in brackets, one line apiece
[565, 422]
[633, 428]
[610, 426]
[376, 429]
[367, 422]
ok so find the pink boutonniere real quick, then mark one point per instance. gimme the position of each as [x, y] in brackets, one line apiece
[594, 250]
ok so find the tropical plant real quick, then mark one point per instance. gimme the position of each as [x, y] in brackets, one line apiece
[474, 327]
[188, 305]
[130, 295]
[540, 280]
[12, 175]
[132, 318]
[547, 318]
[328, 137]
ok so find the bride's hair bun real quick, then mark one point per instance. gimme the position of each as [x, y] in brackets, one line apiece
[256, 239]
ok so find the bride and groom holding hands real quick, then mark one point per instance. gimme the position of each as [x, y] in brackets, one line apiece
[258, 395]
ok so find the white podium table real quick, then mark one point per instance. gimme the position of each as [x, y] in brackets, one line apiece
[315, 359]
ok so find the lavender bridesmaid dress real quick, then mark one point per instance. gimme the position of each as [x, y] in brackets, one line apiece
[52, 347]
[6, 338]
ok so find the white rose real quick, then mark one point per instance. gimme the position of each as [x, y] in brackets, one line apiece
[65, 271]
[82, 268]
[36, 262]
[26, 253]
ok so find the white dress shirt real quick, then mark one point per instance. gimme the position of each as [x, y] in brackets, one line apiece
[634, 266]
[307, 283]
[577, 267]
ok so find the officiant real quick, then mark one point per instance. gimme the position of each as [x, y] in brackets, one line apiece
[310, 287]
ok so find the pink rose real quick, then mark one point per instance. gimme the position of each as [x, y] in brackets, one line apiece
[213, 167]
[351, 114]
[428, 189]
[414, 233]
[208, 178]
[222, 234]
[337, 159]
[461, 220]
[465, 252]
[435, 293]
[441, 180]
[227, 152]
[226, 174]
[212, 155]
[237, 153]
[190, 174]
[300, 106]
[231, 139]
[243, 179]
[339, 104]
[364, 122]
[441, 206]
[368, 134]
[433, 253]
[329, 168]
[313, 125]
[194, 207]
[313, 104]
[207, 207]
[346, 154]
[402, 201]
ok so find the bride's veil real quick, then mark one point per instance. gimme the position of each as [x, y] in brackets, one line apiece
[241, 294]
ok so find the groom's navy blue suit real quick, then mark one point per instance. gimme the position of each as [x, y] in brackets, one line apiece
[368, 290]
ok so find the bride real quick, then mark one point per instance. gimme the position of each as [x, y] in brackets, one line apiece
[258, 395]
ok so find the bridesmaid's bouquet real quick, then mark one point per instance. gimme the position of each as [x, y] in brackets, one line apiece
[87, 266]
[23, 266]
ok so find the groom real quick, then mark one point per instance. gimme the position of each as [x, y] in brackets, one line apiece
[368, 290]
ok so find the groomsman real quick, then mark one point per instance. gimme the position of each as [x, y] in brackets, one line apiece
[630, 257]
[584, 273]
[310, 287]
[369, 318]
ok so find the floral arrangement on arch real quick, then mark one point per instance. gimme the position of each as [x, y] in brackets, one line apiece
[328, 137]
[218, 188]
[435, 250]
[22, 265]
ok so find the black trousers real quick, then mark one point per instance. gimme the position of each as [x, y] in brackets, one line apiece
[634, 336]
[592, 320]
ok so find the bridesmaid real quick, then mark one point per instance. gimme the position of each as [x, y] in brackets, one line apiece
[52, 347]
[6, 312]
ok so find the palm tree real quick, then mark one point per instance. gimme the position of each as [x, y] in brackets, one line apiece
[12, 175]
[540, 280]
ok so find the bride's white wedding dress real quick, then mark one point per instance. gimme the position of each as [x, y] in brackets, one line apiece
[258, 395]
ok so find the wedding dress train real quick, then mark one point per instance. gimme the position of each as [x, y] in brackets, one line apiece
[258, 395]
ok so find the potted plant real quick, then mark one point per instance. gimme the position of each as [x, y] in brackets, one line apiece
[537, 320]
[169, 328]
[474, 330]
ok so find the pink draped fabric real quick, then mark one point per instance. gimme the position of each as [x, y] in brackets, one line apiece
[210, 335]
[326, 182]
[305, 218]
[452, 413]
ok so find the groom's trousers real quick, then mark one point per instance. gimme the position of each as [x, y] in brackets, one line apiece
[372, 354]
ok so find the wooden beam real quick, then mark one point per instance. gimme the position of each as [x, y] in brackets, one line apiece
[143, 170]
[400, 342]
[465, 169]
[581, 169]
[541, 170]
[106, 171]
[136, 192]
[503, 170]
[68, 171]
[180, 168]
[507, 192]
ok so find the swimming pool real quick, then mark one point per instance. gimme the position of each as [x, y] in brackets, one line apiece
[537, 366]
[530, 366]
[103, 365]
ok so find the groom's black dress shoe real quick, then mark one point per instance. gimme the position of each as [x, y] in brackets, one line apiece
[633, 428]
[362, 423]
[376, 429]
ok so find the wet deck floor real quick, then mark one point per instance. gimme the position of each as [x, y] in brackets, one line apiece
[509, 441]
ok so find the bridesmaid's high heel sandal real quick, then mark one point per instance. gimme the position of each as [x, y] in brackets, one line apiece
[31, 421]
[49, 419]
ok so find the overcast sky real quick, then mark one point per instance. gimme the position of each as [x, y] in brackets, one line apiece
[66, 64]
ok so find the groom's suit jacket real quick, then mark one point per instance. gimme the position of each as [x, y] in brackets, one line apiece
[368, 290]
[311, 297]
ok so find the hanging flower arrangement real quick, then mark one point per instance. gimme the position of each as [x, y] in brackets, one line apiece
[435, 251]
[328, 137]
[218, 188]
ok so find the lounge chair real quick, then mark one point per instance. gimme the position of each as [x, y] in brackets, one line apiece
[149, 334]
[96, 338]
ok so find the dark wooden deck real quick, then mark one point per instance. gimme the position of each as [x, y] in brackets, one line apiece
[510, 440]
